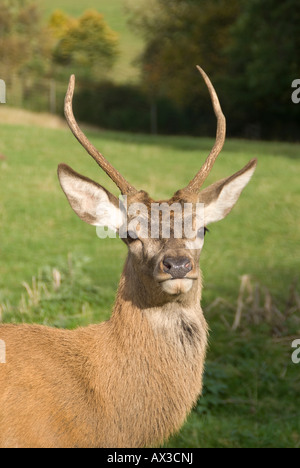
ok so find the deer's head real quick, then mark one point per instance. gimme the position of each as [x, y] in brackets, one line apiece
[164, 238]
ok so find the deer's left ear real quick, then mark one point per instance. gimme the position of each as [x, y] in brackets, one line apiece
[91, 202]
[220, 198]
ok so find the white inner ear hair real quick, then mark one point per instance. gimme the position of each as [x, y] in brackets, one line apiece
[226, 200]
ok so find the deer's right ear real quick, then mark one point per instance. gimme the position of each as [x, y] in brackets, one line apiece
[220, 198]
[91, 202]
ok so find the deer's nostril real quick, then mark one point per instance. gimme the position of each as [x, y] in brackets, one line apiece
[167, 265]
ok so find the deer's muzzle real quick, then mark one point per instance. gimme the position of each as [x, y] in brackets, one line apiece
[177, 267]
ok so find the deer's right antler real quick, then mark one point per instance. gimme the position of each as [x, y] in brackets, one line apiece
[198, 180]
[117, 178]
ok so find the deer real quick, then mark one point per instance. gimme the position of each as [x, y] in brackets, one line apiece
[131, 381]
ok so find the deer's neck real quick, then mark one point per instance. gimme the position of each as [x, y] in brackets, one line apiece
[158, 346]
[142, 308]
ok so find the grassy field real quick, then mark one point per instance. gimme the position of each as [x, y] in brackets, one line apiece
[116, 16]
[55, 271]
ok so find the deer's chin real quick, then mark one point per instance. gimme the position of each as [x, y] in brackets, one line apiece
[177, 286]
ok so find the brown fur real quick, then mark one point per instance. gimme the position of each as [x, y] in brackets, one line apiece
[128, 382]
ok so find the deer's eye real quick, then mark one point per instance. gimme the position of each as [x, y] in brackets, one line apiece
[132, 236]
[202, 232]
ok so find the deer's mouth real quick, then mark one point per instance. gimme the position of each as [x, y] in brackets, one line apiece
[176, 286]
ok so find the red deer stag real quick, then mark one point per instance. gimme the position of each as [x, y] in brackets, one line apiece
[132, 380]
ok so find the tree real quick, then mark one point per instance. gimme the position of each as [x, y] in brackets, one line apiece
[264, 60]
[85, 45]
[250, 49]
[179, 35]
[23, 39]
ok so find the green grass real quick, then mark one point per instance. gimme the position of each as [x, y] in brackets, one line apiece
[116, 16]
[251, 396]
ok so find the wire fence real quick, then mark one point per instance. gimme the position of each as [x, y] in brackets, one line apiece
[35, 94]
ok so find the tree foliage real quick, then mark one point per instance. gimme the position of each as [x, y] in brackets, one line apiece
[86, 45]
[23, 39]
[179, 35]
[250, 49]
[264, 60]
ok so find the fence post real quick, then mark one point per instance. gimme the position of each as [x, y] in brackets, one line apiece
[153, 117]
[52, 97]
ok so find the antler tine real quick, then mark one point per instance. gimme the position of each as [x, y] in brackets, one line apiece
[116, 177]
[200, 177]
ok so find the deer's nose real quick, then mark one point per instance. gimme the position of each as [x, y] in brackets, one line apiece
[177, 267]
